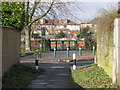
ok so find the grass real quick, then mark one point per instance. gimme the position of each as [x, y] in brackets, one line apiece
[90, 76]
[19, 76]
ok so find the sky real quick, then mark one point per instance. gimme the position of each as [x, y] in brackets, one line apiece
[86, 10]
[89, 10]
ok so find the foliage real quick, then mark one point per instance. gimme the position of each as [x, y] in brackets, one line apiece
[60, 35]
[13, 14]
[89, 37]
[105, 22]
[90, 76]
[18, 76]
[85, 31]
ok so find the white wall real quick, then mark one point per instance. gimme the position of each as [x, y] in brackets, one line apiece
[116, 59]
[71, 27]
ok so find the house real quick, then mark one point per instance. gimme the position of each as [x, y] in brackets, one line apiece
[84, 25]
[55, 26]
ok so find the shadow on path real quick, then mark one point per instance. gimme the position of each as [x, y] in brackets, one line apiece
[55, 75]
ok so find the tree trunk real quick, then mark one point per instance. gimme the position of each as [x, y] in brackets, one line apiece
[27, 39]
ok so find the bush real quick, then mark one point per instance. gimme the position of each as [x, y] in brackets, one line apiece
[60, 35]
[13, 15]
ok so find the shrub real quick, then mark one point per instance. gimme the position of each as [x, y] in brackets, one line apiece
[13, 15]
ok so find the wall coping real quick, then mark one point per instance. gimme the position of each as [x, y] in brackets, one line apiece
[11, 28]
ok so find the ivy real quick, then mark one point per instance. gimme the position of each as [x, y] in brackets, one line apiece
[13, 15]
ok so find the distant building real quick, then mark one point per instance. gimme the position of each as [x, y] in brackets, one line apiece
[84, 25]
[55, 25]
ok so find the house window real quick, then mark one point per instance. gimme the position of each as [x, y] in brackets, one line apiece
[68, 21]
[65, 26]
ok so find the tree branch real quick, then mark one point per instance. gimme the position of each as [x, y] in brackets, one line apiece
[33, 10]
[26, 12]
[43, 14]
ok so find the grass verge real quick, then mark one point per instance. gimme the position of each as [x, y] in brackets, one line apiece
[90, 76]
[19, 76]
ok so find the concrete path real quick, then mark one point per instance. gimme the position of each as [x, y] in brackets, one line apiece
[61, 55]
[56, 75]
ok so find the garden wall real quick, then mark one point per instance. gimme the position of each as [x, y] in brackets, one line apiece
[10, 47]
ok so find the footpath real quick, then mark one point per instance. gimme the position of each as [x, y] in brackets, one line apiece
[56, 74]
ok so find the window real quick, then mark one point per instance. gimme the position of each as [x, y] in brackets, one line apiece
[68, 21]
[65, 26]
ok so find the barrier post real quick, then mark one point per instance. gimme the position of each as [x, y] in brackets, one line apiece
[54, 52]
[74, 60]
[68, 52]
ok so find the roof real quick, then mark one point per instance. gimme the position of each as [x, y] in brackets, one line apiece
[56, 22]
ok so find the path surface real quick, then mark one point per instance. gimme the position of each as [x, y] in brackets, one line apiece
[61, 55]
[56, 75]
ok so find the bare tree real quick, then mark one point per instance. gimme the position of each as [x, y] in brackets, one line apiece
[30, 10]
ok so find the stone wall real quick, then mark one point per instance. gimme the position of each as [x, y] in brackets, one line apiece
[104, 54]
[108, 52]
[10, 48]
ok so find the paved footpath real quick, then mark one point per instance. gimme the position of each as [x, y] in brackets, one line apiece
[55, 75]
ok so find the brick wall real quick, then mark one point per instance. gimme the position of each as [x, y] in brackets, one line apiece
[10, 48]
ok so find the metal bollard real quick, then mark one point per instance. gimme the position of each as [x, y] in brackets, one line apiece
[74, 60]
[80, 51]
[93, 50]
[54, 52]
[36, 61]
[68, 52]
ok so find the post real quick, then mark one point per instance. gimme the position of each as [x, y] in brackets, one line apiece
[56, 44]
[74, 60]
[80, 51]
[67, 52]
[62, 44]
[75, 42]
[36, 61]
[69, 44]
[41, 42]
[44, 44]
[54, 52]
[93, 50]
